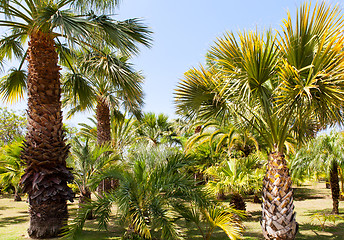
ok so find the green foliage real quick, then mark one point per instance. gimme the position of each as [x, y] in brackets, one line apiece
[322, 218]
[235, 175]
[102, 74]
[88, 160]
[77, 24]
[12, 126]
[276, 84]
[156, 129]
[12, 167]
[314, 160]
[153, 194]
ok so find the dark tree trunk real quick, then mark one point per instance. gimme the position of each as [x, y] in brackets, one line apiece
[103, 135]
[278, 217]
[334, 182]
[237, 201]
[17, 197]
[103, 122]
[45, 152]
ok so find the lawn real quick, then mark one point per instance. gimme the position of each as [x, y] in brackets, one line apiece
[309, 200]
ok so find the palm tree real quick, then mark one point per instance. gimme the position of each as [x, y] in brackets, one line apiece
[154, 192]
[45, 23]
[227, 138]
[156, 129]
[273, 84]
[324, 154]
[104, 80]
[12, 166]
[88, 160]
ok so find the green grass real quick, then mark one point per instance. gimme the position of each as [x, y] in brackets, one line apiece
[309, 199]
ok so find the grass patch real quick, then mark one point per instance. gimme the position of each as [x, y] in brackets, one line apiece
[310, 199]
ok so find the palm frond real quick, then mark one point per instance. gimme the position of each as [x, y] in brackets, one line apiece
[13, 86]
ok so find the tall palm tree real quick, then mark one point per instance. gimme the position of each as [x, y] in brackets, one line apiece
[43, 25]
[109, 84]
[274, 83]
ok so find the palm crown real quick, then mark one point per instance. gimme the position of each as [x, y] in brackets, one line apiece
[69, 29]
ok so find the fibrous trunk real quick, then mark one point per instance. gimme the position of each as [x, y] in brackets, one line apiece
[45, 152]
[278, 217]
[237, 201]
[103, 135]
[334, 182]
[103, 122]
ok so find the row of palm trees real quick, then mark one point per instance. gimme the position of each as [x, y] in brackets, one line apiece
[284, 86]
[54, 30]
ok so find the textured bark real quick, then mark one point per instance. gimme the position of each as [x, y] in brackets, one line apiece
[237, 201]
[278, 217]
[45, 152]
[334, 182]
[103, 122]
[103, 135]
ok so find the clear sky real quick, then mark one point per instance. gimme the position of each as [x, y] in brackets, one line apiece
[183, 32]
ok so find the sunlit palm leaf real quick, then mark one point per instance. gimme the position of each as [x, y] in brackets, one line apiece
[13, 85]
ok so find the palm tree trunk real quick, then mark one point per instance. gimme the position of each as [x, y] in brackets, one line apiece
[85, 197]
[278, 217]
[17, 197]
[103, 122]
[46, 176]
[103, 135]
[334, 182]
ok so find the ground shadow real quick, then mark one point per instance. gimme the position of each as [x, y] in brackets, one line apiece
[305, 193]
[13, 220]
[253, 216]
[333, 232]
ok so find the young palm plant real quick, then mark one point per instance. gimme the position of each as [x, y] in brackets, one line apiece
[42, 25]
[153, 194]
[156, 129]
[273, 84]
[88, 160]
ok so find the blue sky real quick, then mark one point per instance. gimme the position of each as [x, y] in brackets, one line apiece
[183, 32]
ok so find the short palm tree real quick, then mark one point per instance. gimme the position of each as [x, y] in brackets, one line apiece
[274, 84]
[88, 160]
[43, 25]
[155, 191]
[155, 129]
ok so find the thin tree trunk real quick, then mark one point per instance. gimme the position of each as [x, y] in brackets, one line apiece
[85, 197]
[45, 152]
[334, 182]
[341, 182]
[278, 217]
[103, 135]
[17, 197]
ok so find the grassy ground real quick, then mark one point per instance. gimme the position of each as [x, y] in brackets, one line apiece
[309, 200]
